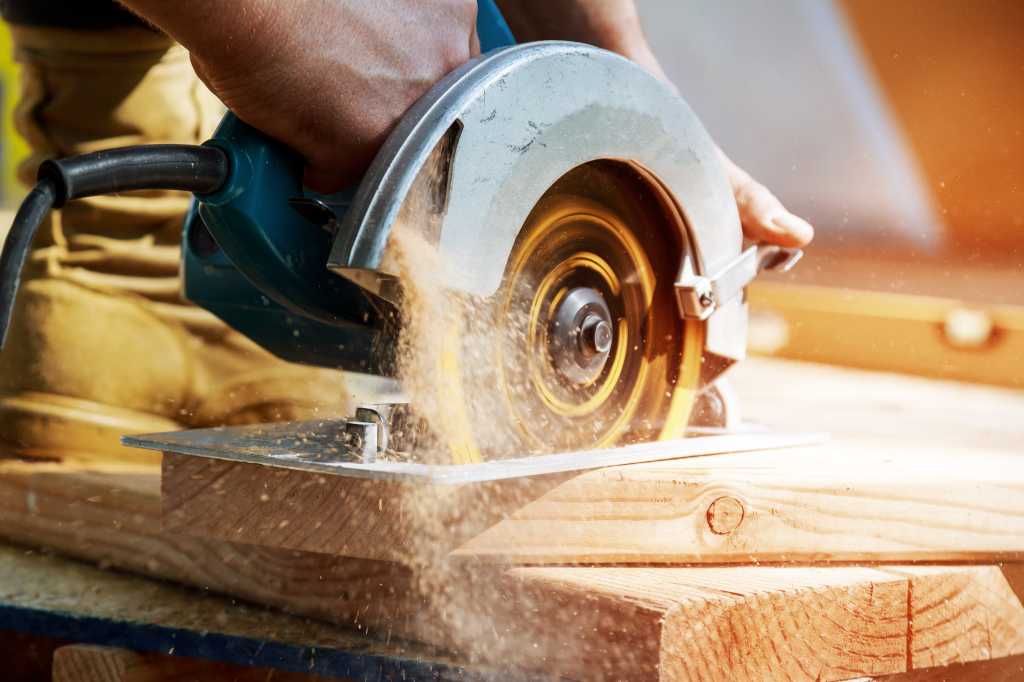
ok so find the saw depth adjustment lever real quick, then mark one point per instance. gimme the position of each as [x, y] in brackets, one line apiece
[699, 296]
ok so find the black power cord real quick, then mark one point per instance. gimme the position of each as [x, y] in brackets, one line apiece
[191, 168]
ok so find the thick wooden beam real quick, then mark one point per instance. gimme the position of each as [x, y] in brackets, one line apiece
[842, 502]
[609, 622]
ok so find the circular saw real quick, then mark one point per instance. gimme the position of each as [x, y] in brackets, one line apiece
[570, 206]
[582, 207]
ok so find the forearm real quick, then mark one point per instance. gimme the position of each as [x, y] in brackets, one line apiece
[611, 24]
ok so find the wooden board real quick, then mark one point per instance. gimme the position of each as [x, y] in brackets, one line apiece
[581, 622]
[836, 502]
[905, 411]
[934, 465]
[79, 603]
[608, 622]
[935, 337]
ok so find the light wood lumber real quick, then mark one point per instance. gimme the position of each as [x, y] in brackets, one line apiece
[905, 411]
[839, 502]
[863, 502]
[111, 516]
[889, 332]
[1009, 669]
[582, 622]
[934, 466]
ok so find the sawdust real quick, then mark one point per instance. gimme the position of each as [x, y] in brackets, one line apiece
[447, 360]
[427, 313]
[440, 327]
[450, 367]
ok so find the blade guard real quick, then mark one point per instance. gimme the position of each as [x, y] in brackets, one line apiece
[492, 137]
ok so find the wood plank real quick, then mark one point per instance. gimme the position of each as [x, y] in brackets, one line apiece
[945, 611]
[91, 663]
[863, 502]
[958, 443]
[581, 622]
[1009, 669]
[853, 404]
[110, 515]
[935, 337]
[78, 603]
[757, 623]
[839, 502]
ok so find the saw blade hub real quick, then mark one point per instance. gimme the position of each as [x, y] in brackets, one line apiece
[581, 335]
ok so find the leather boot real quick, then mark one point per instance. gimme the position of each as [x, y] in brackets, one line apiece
[102, 343]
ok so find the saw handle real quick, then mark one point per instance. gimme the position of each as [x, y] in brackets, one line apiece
[260, 217]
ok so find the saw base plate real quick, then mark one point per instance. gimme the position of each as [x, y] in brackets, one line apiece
[318, 446]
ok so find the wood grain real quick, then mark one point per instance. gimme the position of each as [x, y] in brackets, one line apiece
[581, 622]
[840, 502]
[330, 514]
[946, 616]
[90, 663]
[917, 469]
[1009, 669]
[111, 516]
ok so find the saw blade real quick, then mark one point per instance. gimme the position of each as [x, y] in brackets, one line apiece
[582, 347]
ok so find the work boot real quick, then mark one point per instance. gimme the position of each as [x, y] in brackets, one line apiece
[102, 343]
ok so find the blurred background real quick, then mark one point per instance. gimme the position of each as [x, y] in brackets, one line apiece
[895, 122]
[895, 127]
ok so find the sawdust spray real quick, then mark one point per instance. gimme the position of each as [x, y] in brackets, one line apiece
[485, 610]
[474, 608]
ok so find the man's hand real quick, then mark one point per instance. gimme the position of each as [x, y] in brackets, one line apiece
[762, 215]
[330, 79]
[615, 25]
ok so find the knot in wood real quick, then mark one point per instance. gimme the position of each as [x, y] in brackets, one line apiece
[725, 515]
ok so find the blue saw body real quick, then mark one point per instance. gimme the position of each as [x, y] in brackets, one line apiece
[254, 253]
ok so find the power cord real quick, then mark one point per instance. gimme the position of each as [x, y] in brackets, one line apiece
[191, 168]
